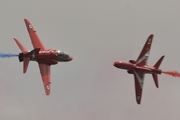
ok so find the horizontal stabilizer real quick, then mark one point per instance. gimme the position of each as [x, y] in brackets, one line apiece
[156, 66]
[25, 59]
[22, 48]
[25, 64]
[155, 77]
[159, 62]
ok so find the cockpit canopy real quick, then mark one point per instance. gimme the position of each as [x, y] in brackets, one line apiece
[63, 55]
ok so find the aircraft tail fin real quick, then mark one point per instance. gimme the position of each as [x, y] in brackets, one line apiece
[24, 51]
[155, 76]
[22, 48]
[25, 64]
[159, 62]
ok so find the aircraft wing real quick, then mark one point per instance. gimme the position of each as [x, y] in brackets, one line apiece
[36, 42]
[143, 57]
[45, 74]
[139, 82]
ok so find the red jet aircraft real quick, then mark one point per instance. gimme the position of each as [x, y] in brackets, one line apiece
[40, 54]
[139, 67]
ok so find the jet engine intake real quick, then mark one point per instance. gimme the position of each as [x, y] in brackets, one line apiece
[132, 61]
[130, 71]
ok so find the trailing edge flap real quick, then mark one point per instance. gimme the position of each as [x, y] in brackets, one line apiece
[25, 64]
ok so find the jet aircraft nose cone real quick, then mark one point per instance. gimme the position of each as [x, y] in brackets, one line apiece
[116, 63]
[70, 58]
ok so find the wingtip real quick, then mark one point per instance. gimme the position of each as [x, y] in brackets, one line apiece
[138, 99]
[138, 102]
[16, 40]
[150, 38]
[151, 35]
[47, 93]
[25, 19]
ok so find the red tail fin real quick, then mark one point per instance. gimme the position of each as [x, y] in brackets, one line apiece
[159, 62]
[22, 48]
[155, 77]
[25, 63]
[25, 59]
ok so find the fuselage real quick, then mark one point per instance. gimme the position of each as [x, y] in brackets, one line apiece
[50, 57]
[130, 67]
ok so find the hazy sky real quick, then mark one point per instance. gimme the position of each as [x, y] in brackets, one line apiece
[96, 33]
